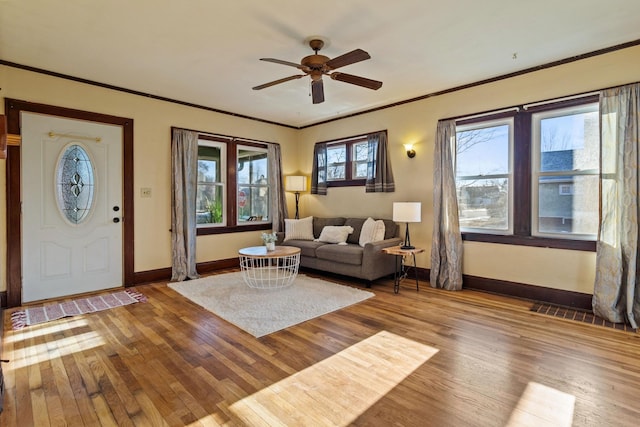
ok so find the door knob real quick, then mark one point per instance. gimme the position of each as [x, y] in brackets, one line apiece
[116, 208]
[116, 220]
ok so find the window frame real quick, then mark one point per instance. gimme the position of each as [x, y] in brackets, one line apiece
[488, 122]
[536, 174]
[231, 196]
[350, 163]
[207, 142]
[522, 180]
[265, 151]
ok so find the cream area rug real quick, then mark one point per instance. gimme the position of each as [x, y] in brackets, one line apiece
[264, 311]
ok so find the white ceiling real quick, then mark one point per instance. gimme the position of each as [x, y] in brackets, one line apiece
[206, 52]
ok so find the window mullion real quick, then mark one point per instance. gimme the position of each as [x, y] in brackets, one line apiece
[232, 183]
[522, 174]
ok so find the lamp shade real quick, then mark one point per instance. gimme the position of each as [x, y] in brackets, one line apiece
[407, 211]
[295, 183]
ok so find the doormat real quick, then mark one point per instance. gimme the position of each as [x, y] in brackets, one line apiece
[578, 315]
[47, 313]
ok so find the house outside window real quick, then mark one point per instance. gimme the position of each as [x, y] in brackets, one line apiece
[566, 146]
[530, 176]
[237, 198]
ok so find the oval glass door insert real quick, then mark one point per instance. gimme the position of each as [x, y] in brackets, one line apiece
[75, 184]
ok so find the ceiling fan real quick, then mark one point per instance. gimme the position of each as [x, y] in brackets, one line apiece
[318, 65]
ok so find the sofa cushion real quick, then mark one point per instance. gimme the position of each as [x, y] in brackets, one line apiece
[298, 229]
[320, 223]
[372, 231]
[335, 234]
[349, 254]
[356, 223]
[307, 247]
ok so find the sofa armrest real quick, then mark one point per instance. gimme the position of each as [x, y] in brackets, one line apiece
[376, 263]
[374, 247]
[280, 235]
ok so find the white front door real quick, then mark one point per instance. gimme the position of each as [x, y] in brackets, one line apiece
[71, 172]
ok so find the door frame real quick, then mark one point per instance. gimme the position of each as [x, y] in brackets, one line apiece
[13, 108]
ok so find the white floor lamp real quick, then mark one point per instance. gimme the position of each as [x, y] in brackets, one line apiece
[407, 212]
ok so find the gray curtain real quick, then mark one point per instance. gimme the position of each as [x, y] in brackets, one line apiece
[446, 246]
[184, 174]
[379, 173]
[319, 170]
[278, 209]
[616, 294]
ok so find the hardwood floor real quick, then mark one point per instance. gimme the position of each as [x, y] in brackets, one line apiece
[427, 358]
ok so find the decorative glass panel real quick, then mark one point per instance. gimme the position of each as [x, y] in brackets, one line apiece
[75, 184]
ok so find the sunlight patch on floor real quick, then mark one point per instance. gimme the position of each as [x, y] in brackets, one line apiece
[335, 391]
[34, 353]
[543, 406]
[35, 331]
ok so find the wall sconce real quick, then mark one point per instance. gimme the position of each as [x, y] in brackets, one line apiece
[296, 184]
[411, 153]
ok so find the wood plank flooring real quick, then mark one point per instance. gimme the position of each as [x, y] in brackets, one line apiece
[427, 358]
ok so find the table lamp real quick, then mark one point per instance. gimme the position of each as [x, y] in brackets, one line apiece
[407, 212]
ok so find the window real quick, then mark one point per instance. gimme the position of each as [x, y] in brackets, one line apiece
[210, 195]
[484, 176]
[566, 172]
[530, 176]
[233, 191]
[347, 162]
[253, 184]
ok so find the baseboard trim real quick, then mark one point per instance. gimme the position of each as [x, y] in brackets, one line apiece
[520, 290]
[531, 292]
[164, 274]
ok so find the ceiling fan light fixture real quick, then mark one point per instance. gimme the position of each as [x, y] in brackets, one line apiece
[315, 66]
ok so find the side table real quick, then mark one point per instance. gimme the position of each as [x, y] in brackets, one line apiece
[400, 272]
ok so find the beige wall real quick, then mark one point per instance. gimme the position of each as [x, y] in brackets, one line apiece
[152, 122]
[414, 122]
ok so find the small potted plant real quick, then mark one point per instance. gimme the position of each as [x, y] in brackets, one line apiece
[269, 240]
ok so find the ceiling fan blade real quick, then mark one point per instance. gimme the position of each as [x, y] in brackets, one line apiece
[317, 91]
[275, 82]
[348, 58]
[280, 61]
[356, 80]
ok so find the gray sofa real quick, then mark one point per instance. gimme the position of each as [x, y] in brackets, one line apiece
[368, 262]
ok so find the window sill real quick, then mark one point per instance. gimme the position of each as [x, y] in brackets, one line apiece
[349, 183]
[540, 242]
[204, 231]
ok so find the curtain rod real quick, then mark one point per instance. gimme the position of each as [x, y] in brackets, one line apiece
[218, 135]
[487, 113]
[565, 98]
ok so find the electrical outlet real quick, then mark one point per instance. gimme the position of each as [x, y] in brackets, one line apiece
[145, 192]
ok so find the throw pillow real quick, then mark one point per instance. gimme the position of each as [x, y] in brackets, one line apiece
[298, 229]
[335, 234]
[372, 231]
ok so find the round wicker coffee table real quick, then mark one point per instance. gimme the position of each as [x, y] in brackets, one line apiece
[274, 269]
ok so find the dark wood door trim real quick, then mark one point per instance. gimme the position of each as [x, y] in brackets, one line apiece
[13, 108]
